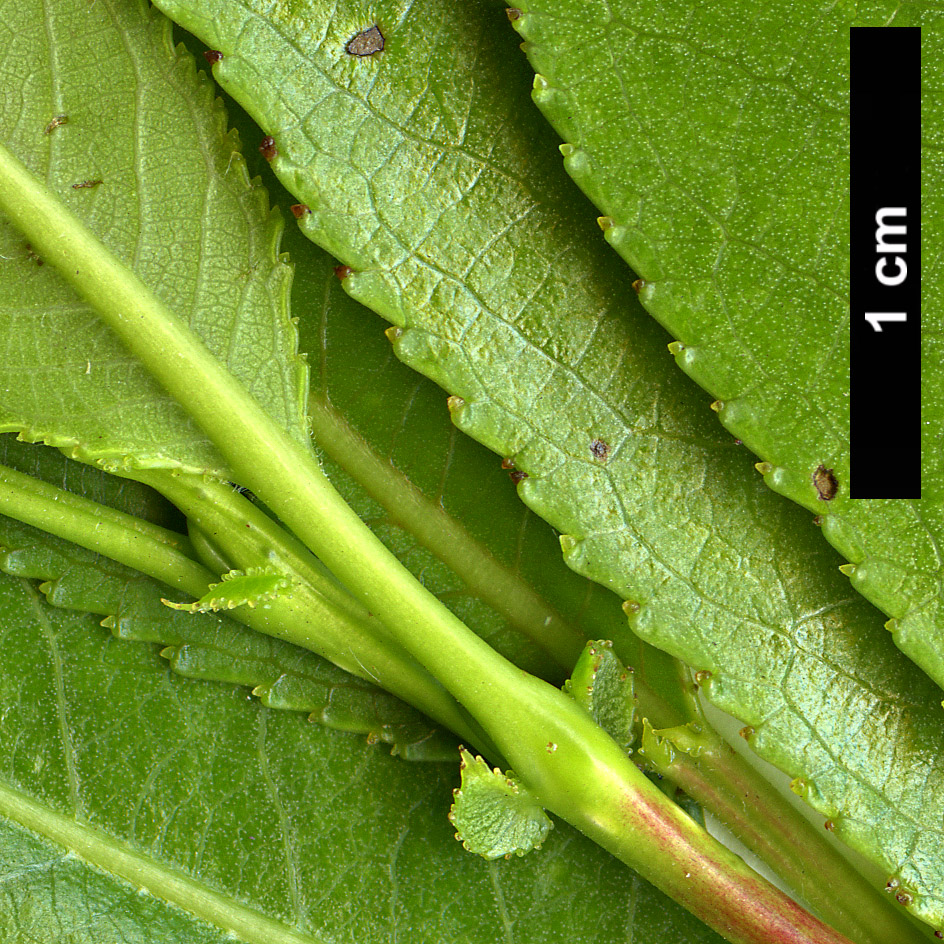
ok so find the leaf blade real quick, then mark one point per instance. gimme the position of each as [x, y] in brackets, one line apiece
[727, 191]
[223, 273]
[743, 591]
[291, 825]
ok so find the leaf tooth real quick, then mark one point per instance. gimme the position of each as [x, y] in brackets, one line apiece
[568, 543]
[800, 786]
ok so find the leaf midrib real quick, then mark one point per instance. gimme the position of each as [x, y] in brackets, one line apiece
[148, 874]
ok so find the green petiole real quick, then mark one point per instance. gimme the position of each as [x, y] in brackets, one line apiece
[573, 767]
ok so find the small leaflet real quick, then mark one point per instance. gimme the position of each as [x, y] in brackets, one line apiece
[238, 588]
[603, 686]
[494, 814]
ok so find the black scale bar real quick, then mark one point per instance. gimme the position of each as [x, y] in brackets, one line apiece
[885, 264]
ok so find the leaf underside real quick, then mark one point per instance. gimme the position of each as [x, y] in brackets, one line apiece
[164, 185]
[422, 173]
[716, 145]
[259, 805]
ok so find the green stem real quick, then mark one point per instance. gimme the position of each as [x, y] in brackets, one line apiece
[498, 586]
[320, 615]
[713, 774]
[162, 554]
[559, 752]
[330, 623]
[211, 556]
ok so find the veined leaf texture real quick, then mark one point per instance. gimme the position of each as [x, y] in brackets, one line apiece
[424, 168]
[418, 170]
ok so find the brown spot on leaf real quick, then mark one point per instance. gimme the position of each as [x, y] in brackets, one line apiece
[57, 122]
[600, 449]
[212, 56]
[299, 210]
[368, 42]
[829, 825]
[747, 731]
[825, 483]
[33, 255]
[267, 148]
[516, 475]
[343, 271]
[86, 184]
[905, 898]
[637, 286]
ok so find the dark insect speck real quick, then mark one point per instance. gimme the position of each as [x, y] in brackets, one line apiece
[825, 483]
[513, 13]
[508, 464]
[87, 184]
[516, 475]
[267, 148]
[600, 449]
[299, 210]
[366, 43]
[213, 55]
[343, 271]
[57, 122]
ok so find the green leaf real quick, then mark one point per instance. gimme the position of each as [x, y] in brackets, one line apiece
[196, 230]
[422, 172]
[494, 814]
[722, 168]
[50, 894]
[602, 685]
[263, 824]
[237, 588]
[198, 645]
